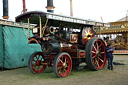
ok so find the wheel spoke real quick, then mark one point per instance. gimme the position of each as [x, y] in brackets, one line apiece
[93, 61]
[62, 58]
[65, 60]
[94, 47]
[61, 61]
[62, 64]
[86, 32]
[93, 52]
[93, 57]
[59, 64]
[101, 60]
[97, 45]
[97, 62]
[65, 70]
[100, 45]
[66, 66]
[59, 71]
[36, 65]
[59, 67]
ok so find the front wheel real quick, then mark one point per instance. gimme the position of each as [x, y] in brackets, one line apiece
[95, 54]
[62, 64]
[37, 63]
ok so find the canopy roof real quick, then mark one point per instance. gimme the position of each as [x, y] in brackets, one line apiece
[33, 15]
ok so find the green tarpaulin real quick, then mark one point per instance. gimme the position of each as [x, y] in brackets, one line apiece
[14, 49]
[1, 48]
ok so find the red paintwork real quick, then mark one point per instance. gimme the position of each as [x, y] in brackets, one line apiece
[36, 63]
[77, 54]
[64, 71]
[40, 61]
[49, 59]
[82, 54]
[73, 54]
[99, 62]
[33, 40]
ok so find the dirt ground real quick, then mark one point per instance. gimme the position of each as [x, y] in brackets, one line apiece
[22, 76]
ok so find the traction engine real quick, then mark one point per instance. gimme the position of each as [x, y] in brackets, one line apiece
[65, 41]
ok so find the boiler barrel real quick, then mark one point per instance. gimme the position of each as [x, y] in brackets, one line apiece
[57, 47]
[66, 47]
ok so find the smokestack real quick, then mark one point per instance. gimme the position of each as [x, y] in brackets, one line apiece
[24, 6]
[71, 8]
[5, 9]
[50, 7]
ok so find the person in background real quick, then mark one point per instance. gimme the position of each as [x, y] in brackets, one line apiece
[109, 55]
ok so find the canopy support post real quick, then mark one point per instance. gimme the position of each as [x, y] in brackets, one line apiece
[40, 27]
[28, 28]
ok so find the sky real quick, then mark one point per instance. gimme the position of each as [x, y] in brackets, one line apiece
[109, 10]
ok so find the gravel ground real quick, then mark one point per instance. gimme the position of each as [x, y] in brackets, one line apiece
[22, 76]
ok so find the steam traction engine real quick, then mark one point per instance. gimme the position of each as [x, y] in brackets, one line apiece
[65, 42]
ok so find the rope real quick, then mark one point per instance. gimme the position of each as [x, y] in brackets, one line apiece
[45, 26]
[24, 29]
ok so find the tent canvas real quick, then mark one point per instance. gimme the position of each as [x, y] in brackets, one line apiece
[1, 47]
[16, 51]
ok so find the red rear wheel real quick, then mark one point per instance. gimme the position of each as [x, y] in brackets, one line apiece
[95, 54]
[62, 64]
[37, 63]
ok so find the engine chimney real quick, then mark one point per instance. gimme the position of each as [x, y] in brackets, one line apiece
[5, 9]
[71, 8]
[50, 7]
[24, 6]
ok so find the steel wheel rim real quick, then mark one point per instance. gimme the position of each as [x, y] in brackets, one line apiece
[64, 65]
[37, 59]
[98, 54]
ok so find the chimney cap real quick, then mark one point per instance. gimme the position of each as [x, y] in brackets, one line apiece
[5, 17]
